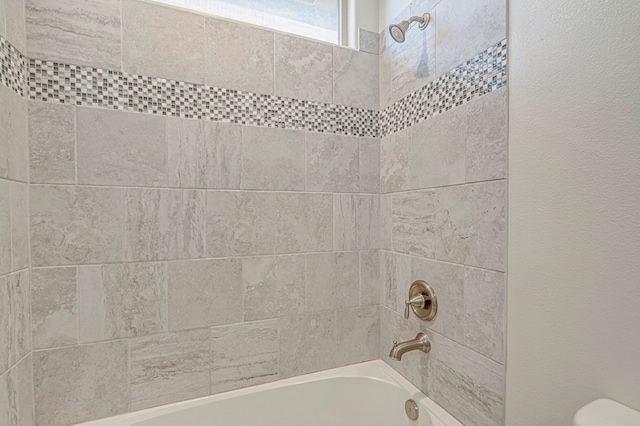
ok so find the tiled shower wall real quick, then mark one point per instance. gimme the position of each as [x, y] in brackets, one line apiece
[178, 251]
[16, 390]
[443, 204]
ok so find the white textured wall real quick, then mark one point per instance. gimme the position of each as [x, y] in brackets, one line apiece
[574, 203]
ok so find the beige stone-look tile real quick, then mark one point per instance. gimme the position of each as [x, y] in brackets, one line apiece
[273, 159]
[304, 222]
[333, 163]
[3, 27]
[204, 154]
[54, 307]
[472, 227]
[437, 154]
[119, 301]
[169, 367]
[26, 403]
[358, 335]
[394, 161]
[447, 281]
[384, 77]
[370, 278]
[163, 224]
[204, 293]
[415, 223]
[487, 137]
[52, 143]
[121, 148]
[413, 63]
[332, 281]
[19, 226]
[466, 27]
[386, 221]
[150, 46]
[239, 56]
[396, 278]
[369, 41]
[273, 286]
[393, 327]
[370, 165]
[356, 221]
[307, 343]
[355, 78]
[245, 354]
[303, 69]
[75, 225]
[240, 223]
[15, 28]
[71, 32]
[14, 144]
[484, 312]
[68, 382]
[9, 399]
[466, 384]
[15, 319]
[5, 226]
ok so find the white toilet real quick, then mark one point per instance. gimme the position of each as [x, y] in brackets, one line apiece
[605, 412]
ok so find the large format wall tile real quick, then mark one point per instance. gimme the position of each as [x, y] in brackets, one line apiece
[9, 399]
[355, 78]
[81, 33]
[358, 335]
[75, 225]
[370, 278]
[394, 161]
[484, 312]
[273, 286]
[370, 165]
[307, 343]
[52, 143]
[15, 319]
[14, 148]
[303, 69]
[118, 301]
[466, 384]
[19, 226]
[162, 42]
[415, 222]
[472, 226]
[437, 153]
[163, 224]
[16, 395]
[240, 223]
[204, 154]
[487, 137]
[5, 226]
[121, 148]
[333, 163]
[332, 281]
[169, 367]
[447, 280]
[14, 11]
[244, 355]
[356, 221]
[204, 293]
[304, 222]
[396, 273]
[54, 307]
[273, 159]
[466, 27]
[81, 383]
[239, 56]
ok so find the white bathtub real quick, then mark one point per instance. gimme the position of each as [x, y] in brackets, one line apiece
[367, 394]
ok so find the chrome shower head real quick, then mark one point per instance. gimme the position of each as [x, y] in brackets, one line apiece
[398, 31]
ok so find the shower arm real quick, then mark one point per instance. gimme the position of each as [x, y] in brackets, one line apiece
[422, 21]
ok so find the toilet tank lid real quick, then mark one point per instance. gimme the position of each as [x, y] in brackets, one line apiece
[605, 412]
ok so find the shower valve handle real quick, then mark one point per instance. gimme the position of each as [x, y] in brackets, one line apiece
[418, 301]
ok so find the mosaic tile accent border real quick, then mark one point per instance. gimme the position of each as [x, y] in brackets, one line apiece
[13, 69]
[486, 72]
[93, 87]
